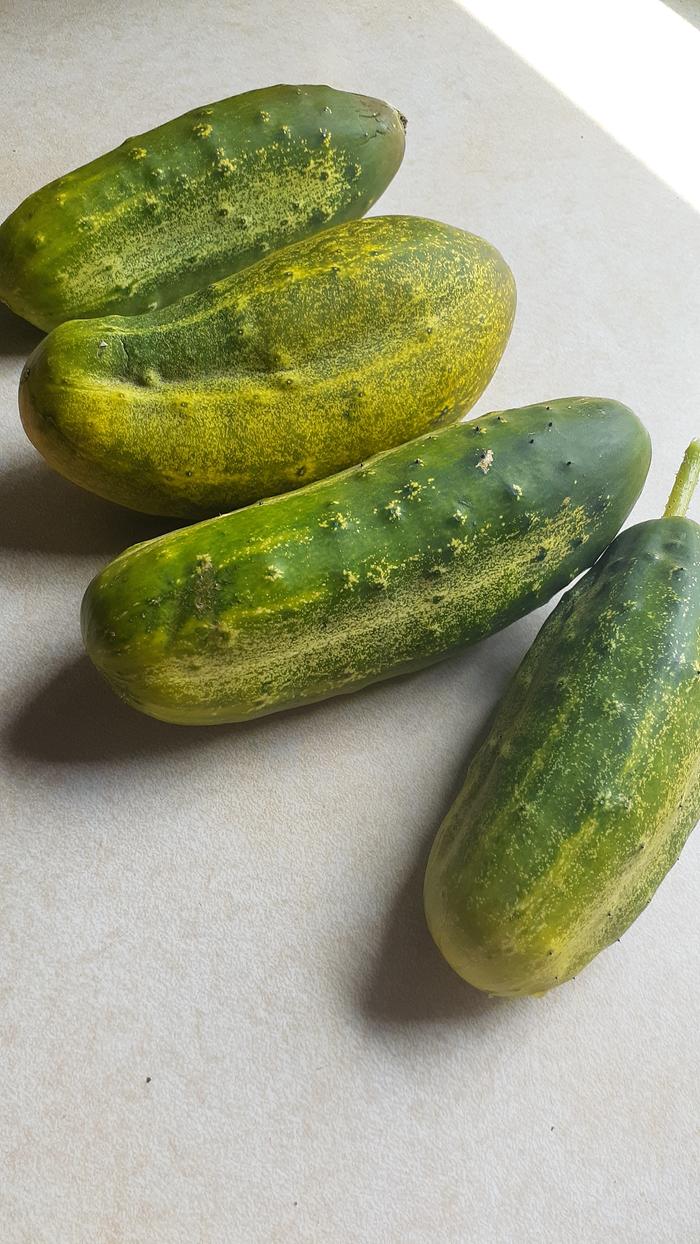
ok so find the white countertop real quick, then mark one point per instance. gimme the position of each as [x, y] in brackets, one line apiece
[221, 1018]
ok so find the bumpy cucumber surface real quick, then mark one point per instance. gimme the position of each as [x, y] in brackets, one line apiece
[197, 198]
[588, 784]
[321, 355]
[382, 569]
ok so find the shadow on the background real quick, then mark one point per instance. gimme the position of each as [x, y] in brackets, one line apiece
[17, 336]
[411, 982]
[41, 511]
[76, 719]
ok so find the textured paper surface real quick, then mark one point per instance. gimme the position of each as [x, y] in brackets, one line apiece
[221, 1018]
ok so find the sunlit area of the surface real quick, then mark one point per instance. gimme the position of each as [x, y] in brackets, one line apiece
[632, 65]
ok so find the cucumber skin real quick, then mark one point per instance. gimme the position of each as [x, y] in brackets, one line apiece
[383, 569]
[195, 199]
[588, 785]
[318, 357]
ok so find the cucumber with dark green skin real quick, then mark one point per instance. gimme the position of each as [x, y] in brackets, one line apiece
[383, 569]
[200, 197]
[588, 784]
[324, 353]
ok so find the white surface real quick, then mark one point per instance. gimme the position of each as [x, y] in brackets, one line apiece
[605, 57]
[235, 913]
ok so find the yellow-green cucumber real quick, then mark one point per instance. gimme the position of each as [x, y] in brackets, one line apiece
[324, 353]
[200, 197]
[588, 784]
[383, 569]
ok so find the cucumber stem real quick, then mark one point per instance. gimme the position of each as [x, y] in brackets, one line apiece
[686, 483]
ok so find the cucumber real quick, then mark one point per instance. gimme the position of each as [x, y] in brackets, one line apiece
[383, 569]
[588, 785]
[205, 194]
[324, 353]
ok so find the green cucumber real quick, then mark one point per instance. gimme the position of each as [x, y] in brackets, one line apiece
[324, 353]
[588, 785]
[202, 196]
[383, 569]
